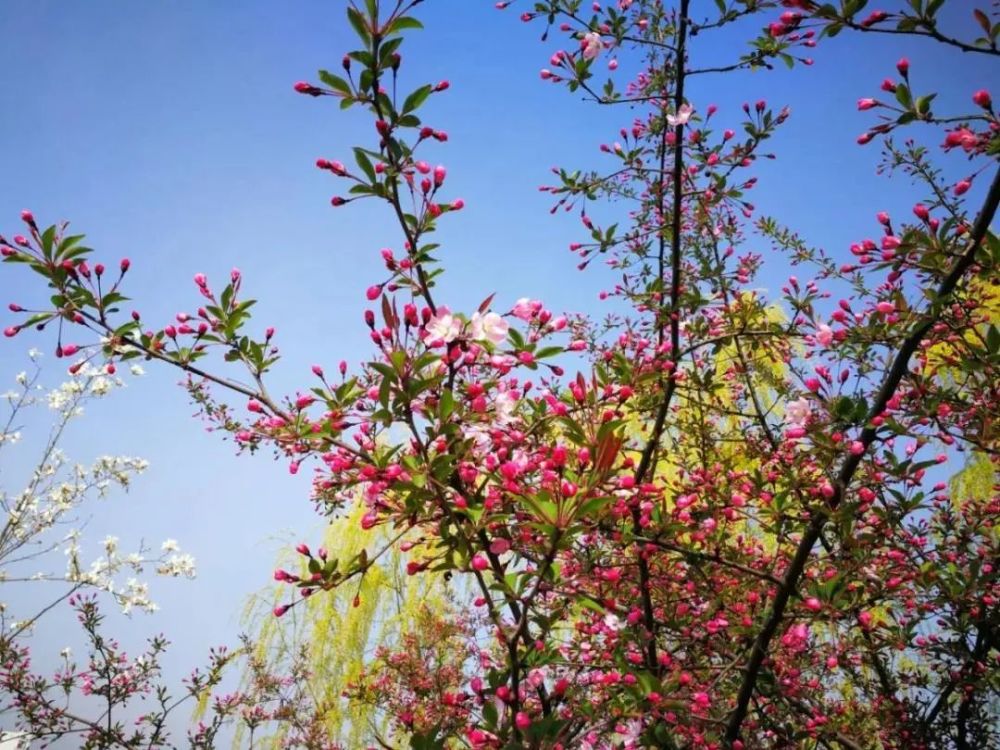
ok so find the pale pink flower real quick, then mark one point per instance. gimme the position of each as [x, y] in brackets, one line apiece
[797, 413]
[591, 45]
[444, 327]
[682, 116]
[526, 309]
[824, 335]
[489, 327]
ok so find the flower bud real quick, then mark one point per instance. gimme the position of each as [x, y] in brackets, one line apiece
[307, 88]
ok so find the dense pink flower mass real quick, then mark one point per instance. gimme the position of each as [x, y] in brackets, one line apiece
[716, 517]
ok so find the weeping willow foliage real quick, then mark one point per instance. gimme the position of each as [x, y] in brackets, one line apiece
[340, 631]
[978, 479]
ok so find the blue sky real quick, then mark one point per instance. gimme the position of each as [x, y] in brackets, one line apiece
[169, 133]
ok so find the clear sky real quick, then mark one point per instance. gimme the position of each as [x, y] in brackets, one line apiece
[169, 133]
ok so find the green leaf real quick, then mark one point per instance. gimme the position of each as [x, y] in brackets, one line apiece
[903, 95]
[360, 24]
[47, 237]
[923, 104]
[418, 97]
[993, 340]
[446, 405]
[404, 22]
[334, 82]
[364, 163]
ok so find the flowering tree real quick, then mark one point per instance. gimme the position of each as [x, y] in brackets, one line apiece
[42, 526]
[724, 528]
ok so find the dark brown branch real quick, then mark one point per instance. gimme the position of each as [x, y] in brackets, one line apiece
[646, 460]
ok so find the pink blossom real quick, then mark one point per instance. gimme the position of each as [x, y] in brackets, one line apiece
[526, 309]
[489, 327]
[682, 116]
[797, 413]
[444, 327]
[591, 45]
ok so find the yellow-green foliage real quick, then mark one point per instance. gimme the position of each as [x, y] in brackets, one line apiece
[341, 638]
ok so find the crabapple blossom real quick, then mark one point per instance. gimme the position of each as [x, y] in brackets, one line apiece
[489, 327]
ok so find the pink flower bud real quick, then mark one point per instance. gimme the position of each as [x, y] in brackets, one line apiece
[303, 549]
[281, 609]
[27, 217]
[982, 98]
[307, 88]
[903, 66]
[962, 187]
[439, 175]
[317, 371]
[480, 563]
[11, 331]
[373, 292]
[125, 264]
